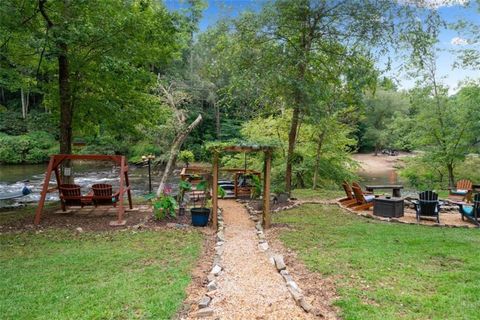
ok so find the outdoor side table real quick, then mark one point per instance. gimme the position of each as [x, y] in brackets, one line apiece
[388, 207]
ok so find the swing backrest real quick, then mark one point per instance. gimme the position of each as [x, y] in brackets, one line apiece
[70, 191]
[102, 190]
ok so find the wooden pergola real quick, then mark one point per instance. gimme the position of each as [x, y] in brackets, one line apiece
[54, 167]
[267, 164]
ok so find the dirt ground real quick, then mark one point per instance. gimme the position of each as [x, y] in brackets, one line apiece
[380, 163]
[91, 219]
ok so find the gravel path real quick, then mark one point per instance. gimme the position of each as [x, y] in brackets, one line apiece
[249, 287]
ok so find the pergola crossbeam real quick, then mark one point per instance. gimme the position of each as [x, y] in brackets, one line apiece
[267, 150]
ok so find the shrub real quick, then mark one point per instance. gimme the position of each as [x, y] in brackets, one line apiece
[12, 123]
[186, 156]
[34, 147]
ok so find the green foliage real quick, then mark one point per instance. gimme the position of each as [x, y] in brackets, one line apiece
[382, 109]
[183, 186]
[257, 187]
[12, 123]
[186, 156]
[164, 206]
[221, 192]
[387, 270]
[334, 164]
[34, 147]
[423, 174]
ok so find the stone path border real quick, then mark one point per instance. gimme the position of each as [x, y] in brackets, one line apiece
[204, 302]
[277, 259]
[336, 202]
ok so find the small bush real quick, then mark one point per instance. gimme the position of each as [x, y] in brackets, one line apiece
[34, 147]
[12, 123]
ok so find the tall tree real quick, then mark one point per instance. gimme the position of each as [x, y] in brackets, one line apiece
[302, 33]
[92, 43]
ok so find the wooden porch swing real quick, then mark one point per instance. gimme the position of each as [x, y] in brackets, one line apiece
[73, 193]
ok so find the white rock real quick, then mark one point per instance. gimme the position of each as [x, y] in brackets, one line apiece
[263, 246]
[204, 302]
[305, 305]
[79, 230]
[205, 312]
[212, 285]
[292, 284]
[216, 270]
[279, 263]
[297, 296]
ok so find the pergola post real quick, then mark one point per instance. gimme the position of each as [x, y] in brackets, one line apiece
[215, 190]
[266, 189]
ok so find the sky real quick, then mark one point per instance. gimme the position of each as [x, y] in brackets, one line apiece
[450, 10]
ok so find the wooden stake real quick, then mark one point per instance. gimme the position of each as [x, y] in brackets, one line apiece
[266, 190]
[215, 190]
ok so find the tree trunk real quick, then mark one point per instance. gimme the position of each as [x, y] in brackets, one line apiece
[2, 95]
[217, 119]
[292, 137]
[66, 110]
[451, 176]
[175, 148]
[317, 160]
[24, 97]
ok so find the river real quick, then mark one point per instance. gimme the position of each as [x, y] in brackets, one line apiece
[86, 174]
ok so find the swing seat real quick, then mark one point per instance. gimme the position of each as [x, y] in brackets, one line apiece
[103, 195]
[70, 195]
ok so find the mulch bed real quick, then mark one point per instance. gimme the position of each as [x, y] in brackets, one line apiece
[94, 219]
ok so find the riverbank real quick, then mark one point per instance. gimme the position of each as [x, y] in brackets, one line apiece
[381, 168]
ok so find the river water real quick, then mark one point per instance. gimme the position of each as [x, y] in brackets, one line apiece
[86, 174]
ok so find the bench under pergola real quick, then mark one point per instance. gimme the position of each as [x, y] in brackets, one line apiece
[217, 149]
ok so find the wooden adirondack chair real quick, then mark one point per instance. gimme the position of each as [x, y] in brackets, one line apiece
[350, 198]
[103, 195]
[427, 205]
[363, 202]
[70, 195]
[472, 213]
[463, 191]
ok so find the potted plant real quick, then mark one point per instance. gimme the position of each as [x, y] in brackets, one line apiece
[256, 192]
[183, 186]
[201, 215]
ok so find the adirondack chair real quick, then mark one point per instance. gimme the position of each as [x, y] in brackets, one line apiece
[350, 198]
[472, 213]
[462, 192]
[70, 195]
[427, 205]
[363, 201]
[103, 195]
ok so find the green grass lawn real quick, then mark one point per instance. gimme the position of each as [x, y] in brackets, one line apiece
[115, 275]
[388, 271]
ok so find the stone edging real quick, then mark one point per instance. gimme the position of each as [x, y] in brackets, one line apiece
[396, 220]
[277, 259]
[203, 304]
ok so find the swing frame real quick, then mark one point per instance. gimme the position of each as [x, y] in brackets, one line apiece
[53, 166]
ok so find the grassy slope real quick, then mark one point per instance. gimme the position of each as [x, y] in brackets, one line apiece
[118, 275]
[389, 271]
[320, 194]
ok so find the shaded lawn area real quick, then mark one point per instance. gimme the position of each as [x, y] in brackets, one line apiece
[386, 270]
[115, 275]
